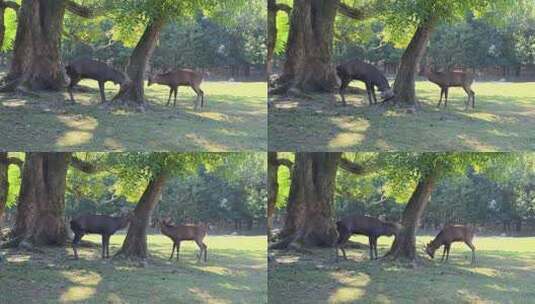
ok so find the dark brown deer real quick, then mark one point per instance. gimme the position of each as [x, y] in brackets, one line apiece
[104, 225]
[177, 78]
[189, 232]
[451, 234]
[364, 225]
[359, 70]
[91, 69]
[445, 80]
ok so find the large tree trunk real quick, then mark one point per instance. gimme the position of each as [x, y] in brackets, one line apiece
[41, 200]
[310, 215]
[36, 57]
[404, 245]
[137, 66]
[404, 85]
[135, 244]
[309, 48]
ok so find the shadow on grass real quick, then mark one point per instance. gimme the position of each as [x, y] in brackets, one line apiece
[50, 123]
[230, 276]
[498, 277]
[498, 123]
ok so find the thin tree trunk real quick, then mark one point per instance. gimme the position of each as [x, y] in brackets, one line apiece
[404, 245]
[135, 244]
[137, 66]
[310, 214]
[41, 202]
[4, 183]
[404, 85]
[273, 190]
[308, 64]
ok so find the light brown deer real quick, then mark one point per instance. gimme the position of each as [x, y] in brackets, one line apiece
[450, 234]
[187, 232]
[180, 77]
[448, 79]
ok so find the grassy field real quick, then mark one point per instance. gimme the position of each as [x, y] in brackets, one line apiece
[503, 120]
[234, 118]
[235, 273]
[504, 273]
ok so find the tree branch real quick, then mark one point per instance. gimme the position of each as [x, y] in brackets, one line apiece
[12, 5]
[283, 7]
[351, 167]
[15, 161]
[80, 10]
[354, 13]
[84, 166]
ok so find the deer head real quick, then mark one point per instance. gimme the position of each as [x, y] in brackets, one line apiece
[430, 250]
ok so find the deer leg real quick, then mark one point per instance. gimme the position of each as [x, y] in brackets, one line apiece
[374, 97]
[473, 248]
[443, 254]
[200, 95]
[77, 238]
[448, 252]
[177, 251]
[205, 251]
[473, 99]
[368, 91]
[343, 87]
[176, 92]
[375, 248]
[446, 97]
[169, 99]
[103, 246]
[172, 251]
[108, 246]
[102, 94]
[440, 100]
[74, 81]
[201, 245]
[370, 242]
[340, 245]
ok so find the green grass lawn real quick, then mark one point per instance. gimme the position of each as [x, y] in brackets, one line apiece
[234, 118]
[235, 273]
[503, 120]
[504, 273]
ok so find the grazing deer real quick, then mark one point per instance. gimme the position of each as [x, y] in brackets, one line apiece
[104, 225]
[179, 233]
[445, 80]
[364, 225]
[91, 69]
[359, 70]
[180, 77]
[451, 234]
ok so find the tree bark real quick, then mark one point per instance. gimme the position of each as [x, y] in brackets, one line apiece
[138, 62]
[404, 245]
[273, 187]
[135, 244]
[404, 85]
[41, 202]
[36, 55]
[308, 64]
[309, 220]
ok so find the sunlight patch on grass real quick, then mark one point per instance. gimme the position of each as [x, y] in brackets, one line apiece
[350, 278]
[471, 297]
[74, 138]
[346, 295]
[77, 293]
[205, 297]
[79, 122]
